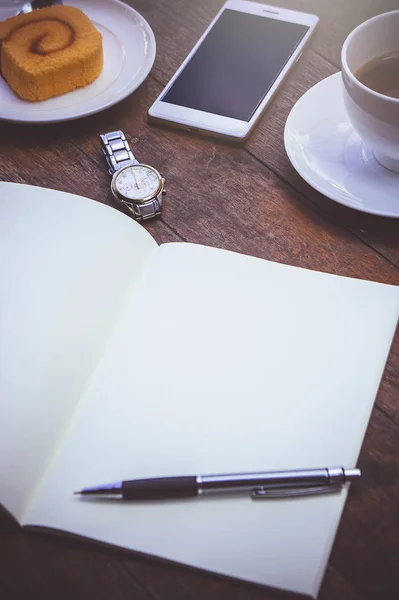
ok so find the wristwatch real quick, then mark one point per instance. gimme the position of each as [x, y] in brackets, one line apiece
[137, 186]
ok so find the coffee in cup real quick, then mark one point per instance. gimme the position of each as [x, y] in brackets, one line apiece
[381, 74]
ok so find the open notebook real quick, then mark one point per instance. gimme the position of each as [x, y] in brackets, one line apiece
[122, 359]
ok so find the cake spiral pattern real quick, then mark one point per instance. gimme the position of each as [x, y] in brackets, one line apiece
[49, 52]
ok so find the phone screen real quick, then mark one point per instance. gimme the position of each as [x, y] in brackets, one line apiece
[236, 65]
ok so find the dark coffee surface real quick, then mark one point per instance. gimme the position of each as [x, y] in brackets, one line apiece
[381, 74]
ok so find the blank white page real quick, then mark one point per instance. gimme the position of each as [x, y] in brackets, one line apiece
[239, 365]
[67, 265]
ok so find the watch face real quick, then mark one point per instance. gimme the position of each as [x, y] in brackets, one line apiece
[137, 183]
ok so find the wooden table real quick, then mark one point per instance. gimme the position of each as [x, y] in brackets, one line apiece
[248, 199]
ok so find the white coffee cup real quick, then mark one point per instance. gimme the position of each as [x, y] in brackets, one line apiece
[374, 116]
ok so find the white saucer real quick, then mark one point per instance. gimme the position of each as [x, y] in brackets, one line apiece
[129, 53]
[331, 157]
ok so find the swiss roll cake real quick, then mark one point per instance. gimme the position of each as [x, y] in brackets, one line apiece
[49, 52]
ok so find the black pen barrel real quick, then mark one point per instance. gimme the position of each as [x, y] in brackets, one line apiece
[163, 488]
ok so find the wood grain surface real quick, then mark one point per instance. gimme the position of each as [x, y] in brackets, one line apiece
[243, 198]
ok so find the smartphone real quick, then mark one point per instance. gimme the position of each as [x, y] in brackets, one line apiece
[231, 74]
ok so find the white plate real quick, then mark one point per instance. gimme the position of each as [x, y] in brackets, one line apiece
[325, 150]
[129, 53]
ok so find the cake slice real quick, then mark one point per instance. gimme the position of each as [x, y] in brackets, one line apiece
[49, 52]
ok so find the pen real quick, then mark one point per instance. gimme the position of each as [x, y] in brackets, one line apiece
[272, 484]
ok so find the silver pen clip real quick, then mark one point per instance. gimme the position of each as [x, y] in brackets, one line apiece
[269, 494]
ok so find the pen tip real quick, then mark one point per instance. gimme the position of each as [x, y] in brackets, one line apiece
[77, 493]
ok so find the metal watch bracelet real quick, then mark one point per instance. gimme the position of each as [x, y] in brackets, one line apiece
[118, 155]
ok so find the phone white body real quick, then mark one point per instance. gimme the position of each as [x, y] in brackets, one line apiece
[227, 80]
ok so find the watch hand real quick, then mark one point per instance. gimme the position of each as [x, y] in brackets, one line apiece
[145, 176]
[135, 178]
